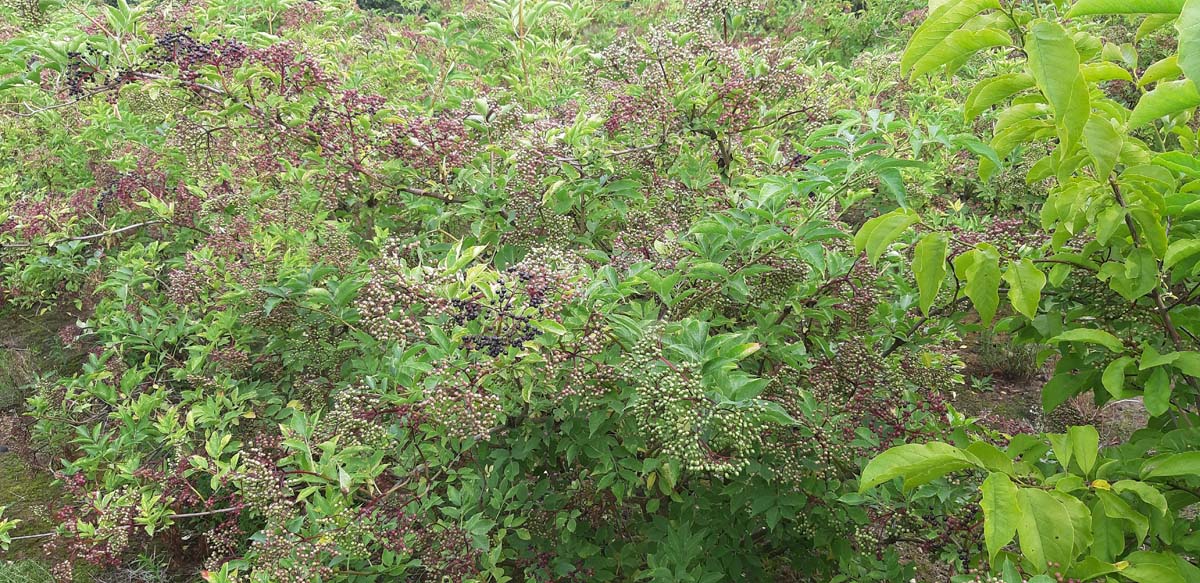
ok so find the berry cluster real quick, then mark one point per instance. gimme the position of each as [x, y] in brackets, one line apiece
[262, 484]
[675, 413]
[448, 554]
[462, 400]
[394, 300]
[280, 556]
[352, 420]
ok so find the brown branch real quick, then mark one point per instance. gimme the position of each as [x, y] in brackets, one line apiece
[124, 229]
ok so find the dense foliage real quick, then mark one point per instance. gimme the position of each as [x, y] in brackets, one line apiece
[548, 291]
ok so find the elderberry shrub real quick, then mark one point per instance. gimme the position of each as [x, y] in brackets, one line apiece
[513, 292]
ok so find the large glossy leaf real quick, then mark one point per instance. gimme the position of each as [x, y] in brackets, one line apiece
[1116, 507]
[1166, 69]
[1001, 512]
[1173, 465]
[959, 45]
[1025, 282]
[1158, 392]
[980, 268]
[1103, 142]
[1054, 63]
[1090, 336]
[1088, 7]
[1168, 98]
[1188, 26]
[946, 19]
[876, 234]
[1151, 567]
[995, 90]
[916, 463]
[1045, 529]
[929, 267]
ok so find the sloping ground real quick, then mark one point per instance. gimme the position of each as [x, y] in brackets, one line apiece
[29, 346]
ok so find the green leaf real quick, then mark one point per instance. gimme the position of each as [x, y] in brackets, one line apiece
[1001, 512]
[1168, 98]
[1158, 392]
[1085, 444]
[929, 267]
[1103, 142]
[1188, 26]
[1090, 569]
[876, 234]
[1114, 376]
[1165, 69]
[1025, 283]
[1054, 63]
[959, 45]
[1141, 270]
[1151, 358]
[1089, 7]
[916, 463]
[1045, 529]
[980, 268]
[1149, 494]
[993, 459]
[1090, 336]
[1173, 465]
[1188, 363]
[995, 90]
[1179, 251]
[946, 19]
[1117, 508]
[1104, 71]
[1151, 567]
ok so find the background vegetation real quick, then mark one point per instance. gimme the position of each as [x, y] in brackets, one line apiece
[522, 290]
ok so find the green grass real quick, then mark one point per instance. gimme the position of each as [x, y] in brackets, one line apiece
[24, 571]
